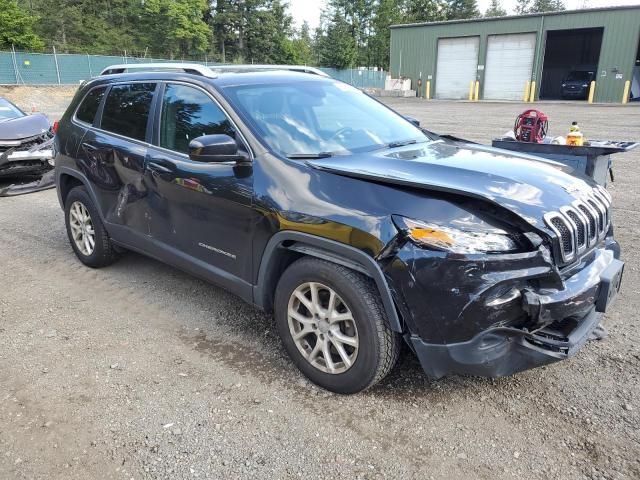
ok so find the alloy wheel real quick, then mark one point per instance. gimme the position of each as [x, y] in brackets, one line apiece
[82, 231]
[323, 328]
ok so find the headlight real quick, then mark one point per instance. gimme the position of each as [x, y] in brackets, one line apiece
[455, 240]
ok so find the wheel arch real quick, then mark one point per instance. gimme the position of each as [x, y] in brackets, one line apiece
[67, 179]
[286, 247]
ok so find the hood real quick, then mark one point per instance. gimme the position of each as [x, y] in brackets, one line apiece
[24, 127]
[526, 185]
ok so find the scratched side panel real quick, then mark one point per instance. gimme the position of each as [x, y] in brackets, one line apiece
[115, 167]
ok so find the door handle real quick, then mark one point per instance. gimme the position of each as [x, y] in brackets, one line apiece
[158, 168]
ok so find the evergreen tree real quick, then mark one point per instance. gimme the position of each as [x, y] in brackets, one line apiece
[337, 48]
[424, 10]
[495, 9]
[386, 14]
[546, 6]
[16, 28]
[176, 27]
[462, 9]
[522, 6]
[302, 46]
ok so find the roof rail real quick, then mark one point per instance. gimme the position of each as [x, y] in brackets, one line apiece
[193, 68]
[208, 71]
[253, 68]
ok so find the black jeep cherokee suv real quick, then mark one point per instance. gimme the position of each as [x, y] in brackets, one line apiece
[309, 199]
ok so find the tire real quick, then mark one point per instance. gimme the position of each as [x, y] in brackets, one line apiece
[102, 252]
[371, 349]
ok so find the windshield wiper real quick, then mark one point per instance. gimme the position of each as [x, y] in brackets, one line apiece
[402, 143]
[309, 156]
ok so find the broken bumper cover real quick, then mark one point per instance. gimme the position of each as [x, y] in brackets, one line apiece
[504, 351]
[560, 321]
[18, 160]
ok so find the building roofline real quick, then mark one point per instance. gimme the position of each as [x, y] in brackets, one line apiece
[509, 17]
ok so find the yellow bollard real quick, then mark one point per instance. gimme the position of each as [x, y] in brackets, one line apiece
[428, 90]
[471, 91]
[527, 86]
[625, 95]
[532, 95]
[592, 91]
[477, 91]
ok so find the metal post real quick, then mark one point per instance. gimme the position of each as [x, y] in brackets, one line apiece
[125, 57]
[15, 64]
[55, 59]
[625, 94]
[205, 60]
[89, 62]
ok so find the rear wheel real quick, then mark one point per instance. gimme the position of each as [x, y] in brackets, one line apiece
[87, 235]
[332, 324]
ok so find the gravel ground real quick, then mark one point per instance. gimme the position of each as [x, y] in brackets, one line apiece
[141, 371]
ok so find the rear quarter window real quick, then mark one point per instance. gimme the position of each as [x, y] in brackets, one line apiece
[89, 106]
[126, 109]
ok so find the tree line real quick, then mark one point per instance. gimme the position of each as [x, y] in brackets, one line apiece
[351, 33]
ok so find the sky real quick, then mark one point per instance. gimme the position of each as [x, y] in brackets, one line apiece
[309, 10]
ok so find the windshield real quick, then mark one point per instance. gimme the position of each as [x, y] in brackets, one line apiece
[323, 118]
[579, 77]
[9, 111]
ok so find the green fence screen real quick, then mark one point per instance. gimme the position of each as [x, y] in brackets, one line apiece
[20, 68]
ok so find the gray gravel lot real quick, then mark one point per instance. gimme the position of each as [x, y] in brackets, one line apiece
[141, 371]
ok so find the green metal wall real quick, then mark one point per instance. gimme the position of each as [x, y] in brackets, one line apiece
[414, 48]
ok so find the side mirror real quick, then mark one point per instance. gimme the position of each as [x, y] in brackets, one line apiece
[415, 121]
[214, 148]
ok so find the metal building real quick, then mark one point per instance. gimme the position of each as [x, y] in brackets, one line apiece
[503, 54]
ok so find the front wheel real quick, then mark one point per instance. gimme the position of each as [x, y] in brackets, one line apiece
[332, 324]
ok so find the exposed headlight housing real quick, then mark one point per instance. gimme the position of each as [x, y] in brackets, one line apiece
[454, 240]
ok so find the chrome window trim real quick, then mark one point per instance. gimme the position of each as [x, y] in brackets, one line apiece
[151, 145]
[101, 130]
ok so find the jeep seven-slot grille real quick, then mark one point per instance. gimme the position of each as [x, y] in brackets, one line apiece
[579, 226]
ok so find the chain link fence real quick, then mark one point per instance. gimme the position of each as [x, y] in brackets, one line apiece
[25, 68]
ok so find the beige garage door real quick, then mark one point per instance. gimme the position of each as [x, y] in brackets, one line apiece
[509, 65]
[457, 66]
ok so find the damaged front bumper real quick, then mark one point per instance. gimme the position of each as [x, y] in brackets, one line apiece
[27, 158]
[511, 318]
[21, 157]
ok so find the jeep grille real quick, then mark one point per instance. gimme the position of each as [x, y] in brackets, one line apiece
[579, 226]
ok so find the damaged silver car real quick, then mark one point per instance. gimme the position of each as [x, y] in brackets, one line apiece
[25, 149]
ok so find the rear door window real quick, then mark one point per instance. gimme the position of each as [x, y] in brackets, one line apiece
[189, 113]
[126, 109]
[89, 107]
